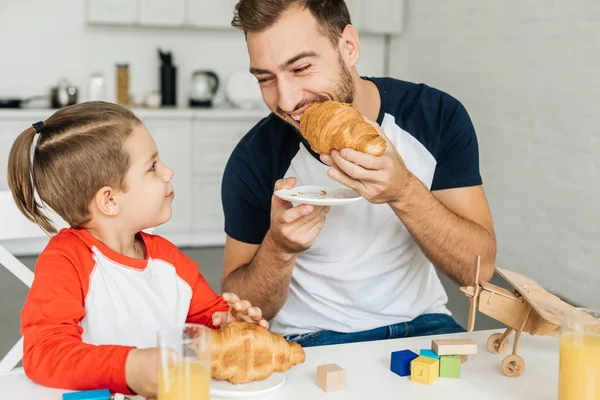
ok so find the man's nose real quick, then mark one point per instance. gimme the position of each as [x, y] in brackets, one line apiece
[289, 95]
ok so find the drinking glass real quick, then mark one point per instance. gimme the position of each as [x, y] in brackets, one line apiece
[184, 363]
[579, 365]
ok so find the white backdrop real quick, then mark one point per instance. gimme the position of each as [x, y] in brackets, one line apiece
[527, 71]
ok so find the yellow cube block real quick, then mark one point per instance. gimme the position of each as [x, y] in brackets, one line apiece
[424, 370]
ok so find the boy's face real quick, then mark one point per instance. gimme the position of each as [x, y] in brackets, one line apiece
[147, 202]
[296, 64]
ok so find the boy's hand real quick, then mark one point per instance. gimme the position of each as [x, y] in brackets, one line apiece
[141, 371]
[241, 310]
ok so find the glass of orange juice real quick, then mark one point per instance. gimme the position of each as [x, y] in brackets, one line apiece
[579, 366]
[184, 363]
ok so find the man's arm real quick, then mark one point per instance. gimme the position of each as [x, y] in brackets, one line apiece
[451, 227]
[261, 273]
[258, 273]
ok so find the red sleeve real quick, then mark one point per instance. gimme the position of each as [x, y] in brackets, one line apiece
[54, 354]
[204, 302]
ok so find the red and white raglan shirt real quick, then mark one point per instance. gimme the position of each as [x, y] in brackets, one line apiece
[89, 306]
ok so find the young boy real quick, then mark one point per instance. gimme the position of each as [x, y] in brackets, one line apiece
[103, 288]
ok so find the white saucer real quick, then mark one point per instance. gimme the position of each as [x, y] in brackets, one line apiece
[319, 195]
[257, 388]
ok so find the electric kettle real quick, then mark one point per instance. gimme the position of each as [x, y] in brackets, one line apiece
[204, 86]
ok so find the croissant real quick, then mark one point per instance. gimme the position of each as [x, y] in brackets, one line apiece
[331, 125]
[242, 352]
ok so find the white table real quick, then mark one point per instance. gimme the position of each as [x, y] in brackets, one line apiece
[368, 376]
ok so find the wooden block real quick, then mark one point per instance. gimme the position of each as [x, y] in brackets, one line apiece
[450, 366]
[424, 370]
[429, 353]
[400, 362]
[454, 347]
[331, 377]
[464, 358]
[87, 395]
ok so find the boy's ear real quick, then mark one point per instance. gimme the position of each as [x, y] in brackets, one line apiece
[105, 201]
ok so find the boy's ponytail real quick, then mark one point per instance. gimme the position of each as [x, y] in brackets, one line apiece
[20, 180]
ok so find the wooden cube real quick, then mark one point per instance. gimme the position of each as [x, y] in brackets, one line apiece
[464, 358]
[450, 366]
[424, 370]
[400, 362]
[331, 377]
[454, 347]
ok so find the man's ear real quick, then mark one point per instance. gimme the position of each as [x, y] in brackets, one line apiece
[105, 201]
[350, 46]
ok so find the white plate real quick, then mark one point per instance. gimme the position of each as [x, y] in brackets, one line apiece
[319, 195]
[257, 388]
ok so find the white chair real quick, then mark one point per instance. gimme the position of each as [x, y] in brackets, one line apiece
[13, 225]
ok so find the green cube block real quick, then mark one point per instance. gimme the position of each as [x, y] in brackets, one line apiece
[449, 366]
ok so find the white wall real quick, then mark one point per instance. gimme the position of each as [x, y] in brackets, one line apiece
[42, 41]
[528, 73]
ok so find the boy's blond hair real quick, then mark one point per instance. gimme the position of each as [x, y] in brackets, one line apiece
[79, 151]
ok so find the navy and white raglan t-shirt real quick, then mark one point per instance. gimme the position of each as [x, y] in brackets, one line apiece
[364, 270]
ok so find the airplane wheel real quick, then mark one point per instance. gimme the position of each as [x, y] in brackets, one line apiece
[513, 365]
[494, 346]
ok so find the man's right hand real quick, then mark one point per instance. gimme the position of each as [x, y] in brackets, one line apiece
[294, 229]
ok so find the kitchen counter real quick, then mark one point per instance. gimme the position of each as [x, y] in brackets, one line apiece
[148, 113]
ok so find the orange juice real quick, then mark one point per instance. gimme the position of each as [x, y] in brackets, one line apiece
[189, 380]
[579, 373]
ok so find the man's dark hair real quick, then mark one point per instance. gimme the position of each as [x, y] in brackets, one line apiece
[257, 15]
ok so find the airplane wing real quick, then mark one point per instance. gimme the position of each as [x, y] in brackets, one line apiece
[547, 305]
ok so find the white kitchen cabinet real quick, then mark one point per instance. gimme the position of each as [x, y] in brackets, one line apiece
[162, 12]
[382, 16]
[378, 17]
[173, 139]
[210, 13]
[214, 141]
[208, 215]
[113, 11]
[9, 130]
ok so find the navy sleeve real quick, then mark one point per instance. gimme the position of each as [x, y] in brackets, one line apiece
[261, 158]
[246, 200]
[458, 155]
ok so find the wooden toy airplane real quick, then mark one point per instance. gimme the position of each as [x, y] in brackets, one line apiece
[529, 309]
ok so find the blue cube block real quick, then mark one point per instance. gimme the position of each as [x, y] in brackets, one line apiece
[400, 362]
[103, 394]
[428, 353]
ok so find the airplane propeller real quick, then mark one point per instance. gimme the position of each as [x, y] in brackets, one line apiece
[473, 293]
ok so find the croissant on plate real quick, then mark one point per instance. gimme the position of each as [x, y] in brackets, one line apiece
[242, 352]
[331, 125]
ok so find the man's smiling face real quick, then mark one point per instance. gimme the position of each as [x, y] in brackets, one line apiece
[296, 64]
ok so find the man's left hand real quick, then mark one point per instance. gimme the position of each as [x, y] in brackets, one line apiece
[381, 179]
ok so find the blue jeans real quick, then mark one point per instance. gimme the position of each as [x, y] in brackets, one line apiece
[423, 325]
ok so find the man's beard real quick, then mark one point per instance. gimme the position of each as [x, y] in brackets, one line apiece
[343, 91]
